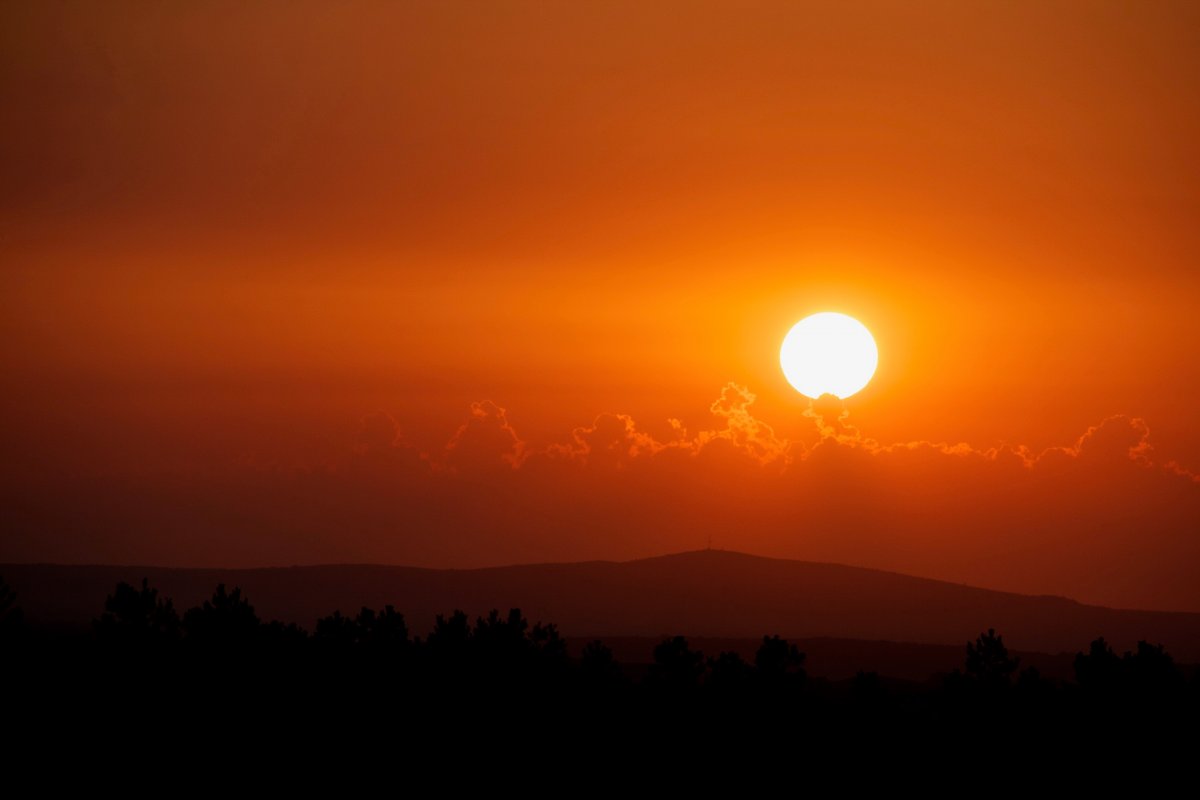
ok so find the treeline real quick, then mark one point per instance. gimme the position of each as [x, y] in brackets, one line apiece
[143, 655]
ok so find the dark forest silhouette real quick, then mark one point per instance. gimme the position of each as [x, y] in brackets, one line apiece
[144, 658]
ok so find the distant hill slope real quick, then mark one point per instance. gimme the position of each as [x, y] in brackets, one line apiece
[708, 593]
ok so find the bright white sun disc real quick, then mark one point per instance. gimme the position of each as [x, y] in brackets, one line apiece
[828, 353]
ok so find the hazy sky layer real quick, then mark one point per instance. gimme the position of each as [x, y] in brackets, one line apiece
[235, 237]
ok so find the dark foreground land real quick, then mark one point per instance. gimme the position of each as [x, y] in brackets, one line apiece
[143, 674]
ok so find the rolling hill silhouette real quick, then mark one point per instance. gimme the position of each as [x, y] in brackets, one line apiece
[707, 593]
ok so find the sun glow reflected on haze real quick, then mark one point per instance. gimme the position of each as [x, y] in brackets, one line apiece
[828, 353]
[392, 283]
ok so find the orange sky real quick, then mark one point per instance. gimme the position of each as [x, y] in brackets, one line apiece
[230, 235]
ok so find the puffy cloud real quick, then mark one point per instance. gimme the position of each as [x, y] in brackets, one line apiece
[829, 414]
[1096, 519]
[486, 442]
[743, 431]
[1117, 438]
[380, 451]
[612, 441]
[377, 431]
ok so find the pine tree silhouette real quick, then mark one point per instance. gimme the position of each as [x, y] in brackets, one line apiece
[988, 661]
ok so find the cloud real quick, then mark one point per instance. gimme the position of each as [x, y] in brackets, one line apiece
[829, 414]
[1117, 438]
[1183, 472]
[614, 441]
[381, 453]
[1097, 518]
[1073, 519]
[377, 431]
[485, 442]
[611, 442]
[743, 431]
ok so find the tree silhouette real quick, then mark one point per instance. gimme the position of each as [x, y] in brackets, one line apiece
[597, 665]
[548, 643]
[137, 617]
[283, 640]
[450, 632]
[867, 689]
[227, 620]
[728, 674]
[499, 638]
[1139, 681]
[12, 626]
[10, 613]
[447, 646]
[988, 662]
[1099, 669]
[383, 633]
[676, 667]
[779, 662]
[500, 667]
[336, 632]
[1151, 664]
[1151, 673]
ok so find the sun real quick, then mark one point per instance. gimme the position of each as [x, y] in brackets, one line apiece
[828, 353]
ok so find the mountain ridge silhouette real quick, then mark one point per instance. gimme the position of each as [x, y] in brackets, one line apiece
[709, 593]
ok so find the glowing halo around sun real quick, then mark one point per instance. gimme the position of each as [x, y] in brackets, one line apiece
[828, 353]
